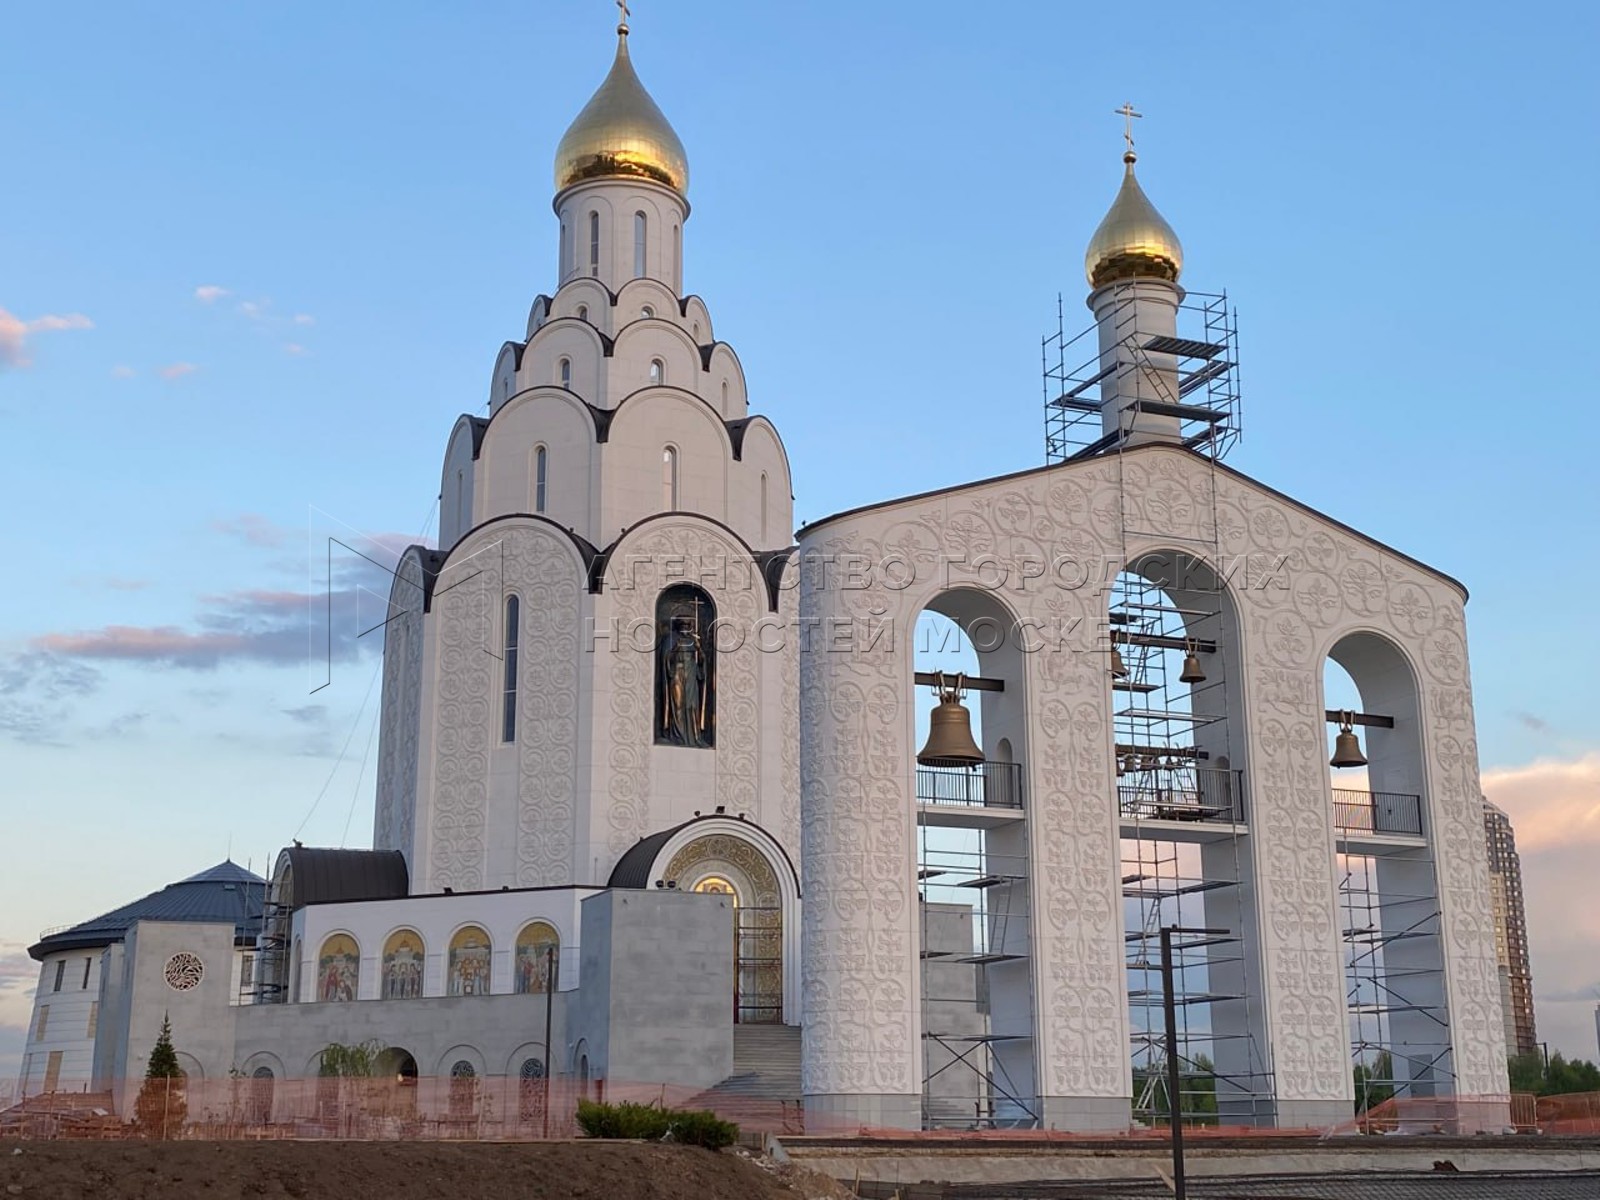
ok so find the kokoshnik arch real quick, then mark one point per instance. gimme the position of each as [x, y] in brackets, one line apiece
[606, 796]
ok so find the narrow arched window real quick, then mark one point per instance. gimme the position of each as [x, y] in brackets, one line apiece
[508, 730]
[658, 371]
[566, 253]
[669, 477]
[647, 312]
[540, 467]
[564, 372]
[641, 225]
[763, 508]
[594, 244]
[677, 247]
[583, 312]
[724, 397]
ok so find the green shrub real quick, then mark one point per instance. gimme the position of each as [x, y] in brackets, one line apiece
[703, 1129]
[652, 1123]
[626, 1119]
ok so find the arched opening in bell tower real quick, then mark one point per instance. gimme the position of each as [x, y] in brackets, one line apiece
[976, 938]
[1399, 1023]
[1173, 668]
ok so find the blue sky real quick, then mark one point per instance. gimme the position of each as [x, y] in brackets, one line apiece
[887, 200]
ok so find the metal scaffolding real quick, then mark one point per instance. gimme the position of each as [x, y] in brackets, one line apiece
[976, 964]
[1394, 971]
[1081, 374]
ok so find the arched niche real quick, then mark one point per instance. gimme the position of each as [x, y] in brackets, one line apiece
[339, 969]
[685, 668]
[404, 958]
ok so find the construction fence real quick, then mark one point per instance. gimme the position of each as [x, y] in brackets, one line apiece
[505, 1108]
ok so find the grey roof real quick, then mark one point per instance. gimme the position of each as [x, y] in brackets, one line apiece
[224, 893]
[633, 868]
[331, 876]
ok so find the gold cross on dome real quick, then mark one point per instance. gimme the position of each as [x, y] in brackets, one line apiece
[1125, 112]
[623, 21]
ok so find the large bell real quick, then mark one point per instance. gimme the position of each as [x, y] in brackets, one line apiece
[1192, 671]
[950, 741]
[1347, 749]
[1119, 669]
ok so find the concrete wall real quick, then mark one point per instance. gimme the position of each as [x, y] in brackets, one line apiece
[202, 1016]
[657, 1000]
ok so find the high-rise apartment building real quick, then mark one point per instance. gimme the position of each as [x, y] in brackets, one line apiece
[1510, 931]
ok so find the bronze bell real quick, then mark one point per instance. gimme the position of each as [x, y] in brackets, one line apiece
[1119, 669]
[1192, 672]
[1346, 748]
[950, 741]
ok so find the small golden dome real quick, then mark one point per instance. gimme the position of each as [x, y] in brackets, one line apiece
[1134, 241]
[621, 133]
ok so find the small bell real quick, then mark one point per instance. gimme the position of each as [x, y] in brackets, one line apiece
[950, 741]
[1192, 671]
[1346, 748]
[1119, 669]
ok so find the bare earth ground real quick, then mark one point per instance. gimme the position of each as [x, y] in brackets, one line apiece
[137, 1170]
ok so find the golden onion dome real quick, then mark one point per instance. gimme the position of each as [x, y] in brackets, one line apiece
[621, 133]
[1134, 241]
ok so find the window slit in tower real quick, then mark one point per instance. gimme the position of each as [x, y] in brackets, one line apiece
[594, 244]
[641, 226]
[540, 466]
[669, 477]
[508, 732]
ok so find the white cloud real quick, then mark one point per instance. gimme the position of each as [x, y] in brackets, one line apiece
[293, 348]
[304, 319]
[123, 372]
[208, 293]
[255, 309]
[177, 370]
[14, 333]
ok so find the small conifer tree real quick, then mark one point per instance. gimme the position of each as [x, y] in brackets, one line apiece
[162, 1106]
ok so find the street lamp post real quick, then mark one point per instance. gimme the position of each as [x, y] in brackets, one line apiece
[1169, 1004]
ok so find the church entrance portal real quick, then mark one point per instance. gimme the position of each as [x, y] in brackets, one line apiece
[726, 865]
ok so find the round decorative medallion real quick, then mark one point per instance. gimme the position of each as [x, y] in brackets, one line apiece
[184, 971]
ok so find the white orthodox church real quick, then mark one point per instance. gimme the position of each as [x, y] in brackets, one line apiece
[650, 792]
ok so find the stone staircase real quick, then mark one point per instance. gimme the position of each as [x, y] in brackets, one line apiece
[766, 1066]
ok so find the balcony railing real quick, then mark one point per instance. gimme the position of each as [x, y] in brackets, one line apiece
[987, 785]
[1377, 812]
[1213, 796]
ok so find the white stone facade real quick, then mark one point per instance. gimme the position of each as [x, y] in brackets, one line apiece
[1315, 582]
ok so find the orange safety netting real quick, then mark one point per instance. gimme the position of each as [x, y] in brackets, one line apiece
[497, 1108]
[502, 1108]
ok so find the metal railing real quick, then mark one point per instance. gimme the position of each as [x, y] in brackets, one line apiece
[986, 785]
[1377, 812]
[1213, 796]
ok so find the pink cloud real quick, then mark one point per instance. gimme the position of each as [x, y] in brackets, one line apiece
[209, 293]
[14, 333]
[1554, 805]
[293, 348]
[252, 528]
[123, 372]
[177, 370]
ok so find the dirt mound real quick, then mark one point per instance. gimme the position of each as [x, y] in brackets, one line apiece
[133, 1170]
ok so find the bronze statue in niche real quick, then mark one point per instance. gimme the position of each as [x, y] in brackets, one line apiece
[686, 668]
